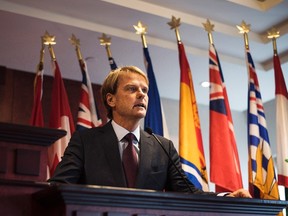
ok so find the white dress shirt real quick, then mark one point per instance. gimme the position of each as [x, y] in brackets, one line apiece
[121, 133]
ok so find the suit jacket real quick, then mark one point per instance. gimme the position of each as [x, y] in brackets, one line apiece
[92, 157]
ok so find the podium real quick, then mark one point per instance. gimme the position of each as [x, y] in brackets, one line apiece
[23, 151]
[40, 198]
[24, 190]
[90, 200]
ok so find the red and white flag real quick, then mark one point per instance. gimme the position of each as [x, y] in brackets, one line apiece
[60, 118]
[281, 123]
[37, 118]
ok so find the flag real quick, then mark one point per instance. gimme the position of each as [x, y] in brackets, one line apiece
[281, 123]
[37, 118]
[225, 169]
[190, 138]
[87, 113]
[112, 63]
[155, 117]
[262, 177]
[60, 118]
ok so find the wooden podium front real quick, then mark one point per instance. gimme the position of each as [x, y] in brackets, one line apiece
[23, 151]
[80, 200]
[40, 198]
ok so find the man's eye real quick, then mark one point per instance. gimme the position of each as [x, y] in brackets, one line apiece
[145, 90]
[132, 88]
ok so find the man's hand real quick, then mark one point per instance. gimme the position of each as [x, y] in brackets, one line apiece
[240, 193]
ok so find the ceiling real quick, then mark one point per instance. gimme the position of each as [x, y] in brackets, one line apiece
[23, 23]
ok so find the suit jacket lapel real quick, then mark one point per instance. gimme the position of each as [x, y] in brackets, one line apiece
[146, 150]
[111, 149]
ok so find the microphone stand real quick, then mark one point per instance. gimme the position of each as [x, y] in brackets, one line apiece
[149, 130]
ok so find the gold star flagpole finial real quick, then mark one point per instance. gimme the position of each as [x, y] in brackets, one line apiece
[142, 30]
[50, 41]
[209, 28]
[273, 34]
[106, 41]
[76, 42]
[174, 24]
[244, 29]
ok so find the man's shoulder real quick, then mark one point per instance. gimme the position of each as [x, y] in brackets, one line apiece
[97, 130]
[161, 138]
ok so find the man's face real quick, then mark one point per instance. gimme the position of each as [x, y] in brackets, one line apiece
[130, 100]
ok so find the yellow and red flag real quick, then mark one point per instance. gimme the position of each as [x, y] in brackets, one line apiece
[190, 138]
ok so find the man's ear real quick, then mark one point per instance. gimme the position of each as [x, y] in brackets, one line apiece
[110, 99]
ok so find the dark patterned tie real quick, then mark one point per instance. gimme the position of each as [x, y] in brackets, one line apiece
[129, 159]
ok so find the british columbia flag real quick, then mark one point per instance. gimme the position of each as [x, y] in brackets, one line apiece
[262, 177]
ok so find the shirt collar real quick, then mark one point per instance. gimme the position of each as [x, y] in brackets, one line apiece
[121, 132]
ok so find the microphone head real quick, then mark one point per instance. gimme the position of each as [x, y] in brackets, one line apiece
[149, 130]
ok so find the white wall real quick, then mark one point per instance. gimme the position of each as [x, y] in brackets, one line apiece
[171, 109]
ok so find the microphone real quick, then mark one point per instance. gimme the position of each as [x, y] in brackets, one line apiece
[149, 130]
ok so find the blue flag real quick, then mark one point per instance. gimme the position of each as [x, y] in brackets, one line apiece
[112, 63]
[153, 117]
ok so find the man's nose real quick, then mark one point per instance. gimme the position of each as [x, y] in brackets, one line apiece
[140, 93]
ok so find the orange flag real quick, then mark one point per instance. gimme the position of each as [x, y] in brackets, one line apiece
[190, 139]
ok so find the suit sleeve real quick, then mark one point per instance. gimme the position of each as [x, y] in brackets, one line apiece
[70, 168]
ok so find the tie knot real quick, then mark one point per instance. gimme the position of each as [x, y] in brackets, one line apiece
[129, 137]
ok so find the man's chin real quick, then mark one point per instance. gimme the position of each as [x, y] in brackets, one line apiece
[141, 115]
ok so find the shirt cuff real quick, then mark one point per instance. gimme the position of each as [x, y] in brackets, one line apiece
[223, 194]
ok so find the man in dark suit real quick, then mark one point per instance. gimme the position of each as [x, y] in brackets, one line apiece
[97, 156]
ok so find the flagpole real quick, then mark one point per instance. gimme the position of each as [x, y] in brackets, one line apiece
[37, 118]
[49, 40]
[174, 24]
[106, 41]
[280, 112]
[244, 29]
[209, 28]
[76, 42]
[141, 29]
[274, 34]
[42, 52]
